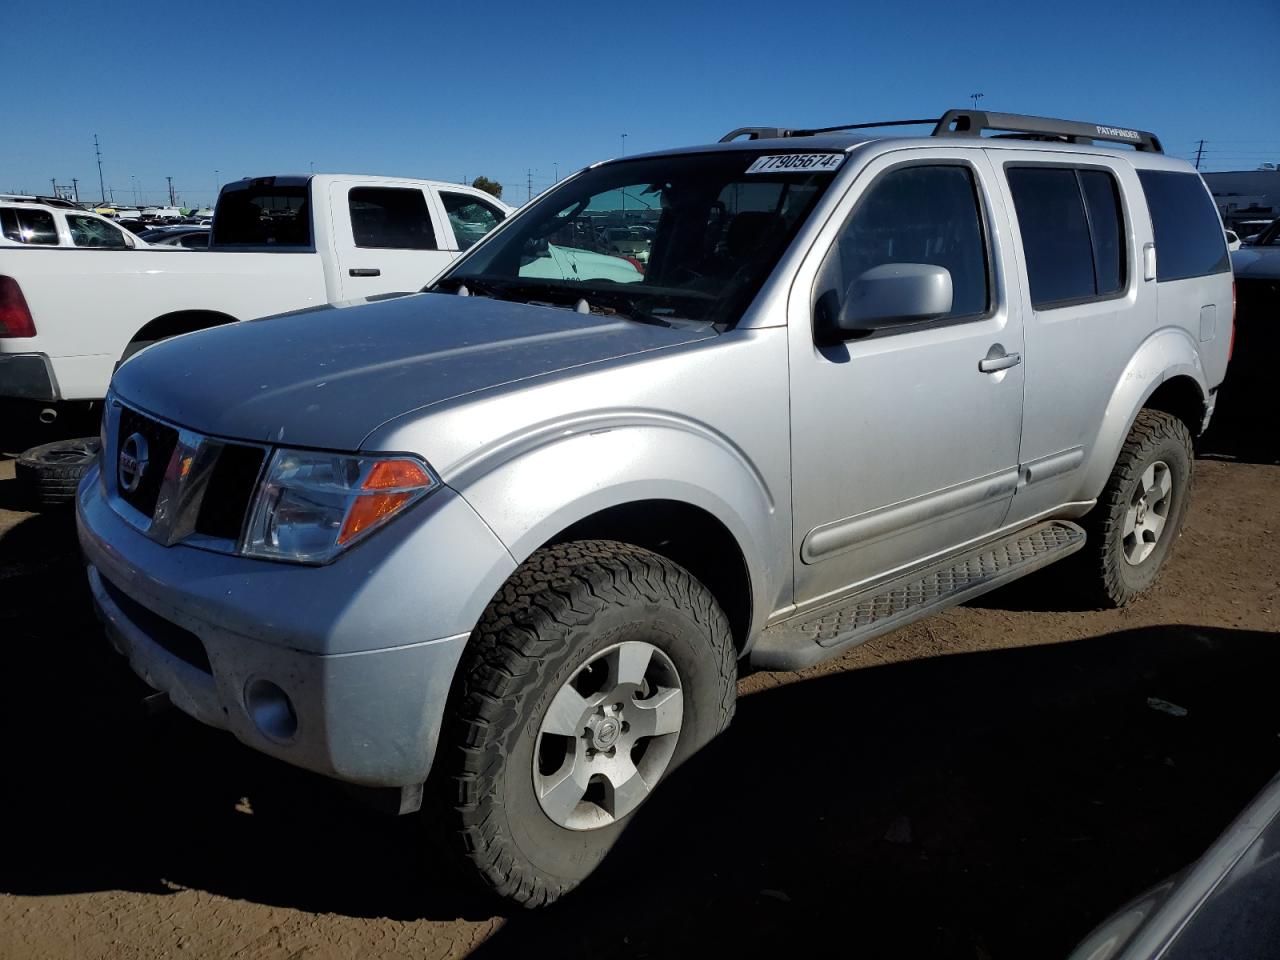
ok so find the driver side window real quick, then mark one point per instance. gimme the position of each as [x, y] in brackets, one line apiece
[915, 214]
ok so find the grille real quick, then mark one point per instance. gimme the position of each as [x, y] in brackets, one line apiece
[183, 644]
[231, 486]
[161, 440]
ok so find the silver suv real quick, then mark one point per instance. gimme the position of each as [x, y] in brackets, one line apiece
[520, 532]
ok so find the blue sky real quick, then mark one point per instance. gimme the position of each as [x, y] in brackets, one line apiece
[447, 90]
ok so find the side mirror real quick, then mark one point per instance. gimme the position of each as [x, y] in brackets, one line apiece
[894, 293]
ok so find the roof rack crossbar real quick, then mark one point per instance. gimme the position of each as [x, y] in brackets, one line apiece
[864, 126]
[971, 123]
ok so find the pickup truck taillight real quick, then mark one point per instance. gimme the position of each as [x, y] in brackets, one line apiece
[15, 316]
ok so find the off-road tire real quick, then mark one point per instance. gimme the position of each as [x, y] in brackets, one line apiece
[1112, 580]
[49, 474]
[562, 605]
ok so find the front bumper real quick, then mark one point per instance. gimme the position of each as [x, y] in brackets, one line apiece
[27, 376]
[365, 648]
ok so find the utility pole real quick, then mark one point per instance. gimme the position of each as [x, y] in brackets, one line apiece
[1199, 151]
[975, 97]
[529, 185]
[557, 166]
[624, 144]
[172, 202]
[54, 181]
[75, 189]
[98, 153]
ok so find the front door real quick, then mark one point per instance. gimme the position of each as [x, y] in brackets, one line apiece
[904, 443]
[385, 238]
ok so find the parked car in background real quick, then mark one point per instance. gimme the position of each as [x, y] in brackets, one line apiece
[40, 223]
[1257, 271]
[1222, 906]
[1250, 230]
[281, 244]
[518, 531]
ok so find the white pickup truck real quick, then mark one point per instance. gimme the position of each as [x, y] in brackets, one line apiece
[69, 315]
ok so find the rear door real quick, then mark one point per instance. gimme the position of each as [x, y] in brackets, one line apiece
[1086, 304]
[386, 239]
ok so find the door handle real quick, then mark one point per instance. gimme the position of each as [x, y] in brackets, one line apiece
[992, 364]
[365, 272]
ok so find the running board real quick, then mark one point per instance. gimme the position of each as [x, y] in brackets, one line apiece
[830, 630]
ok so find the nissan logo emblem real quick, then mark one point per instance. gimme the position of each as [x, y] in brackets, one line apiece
[133, 463]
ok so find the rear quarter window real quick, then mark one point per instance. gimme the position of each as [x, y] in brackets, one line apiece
[1189, 237]
[35, 227]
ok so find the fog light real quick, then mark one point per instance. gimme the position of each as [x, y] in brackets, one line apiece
[271, 709]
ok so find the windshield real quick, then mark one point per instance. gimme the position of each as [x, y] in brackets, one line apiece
[665, 239]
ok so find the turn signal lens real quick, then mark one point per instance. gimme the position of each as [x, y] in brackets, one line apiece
[405, 477]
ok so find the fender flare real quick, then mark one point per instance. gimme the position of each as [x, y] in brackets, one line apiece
[1167, 354]
[614, 458]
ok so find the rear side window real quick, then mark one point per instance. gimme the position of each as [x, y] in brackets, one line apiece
[391, 218]
[916, 214]
[29, 226]
[1189, 237]
[92, 232]
[471, 218]
[1072, 227]
[263, 215]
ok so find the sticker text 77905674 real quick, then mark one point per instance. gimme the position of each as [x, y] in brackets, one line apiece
[797, 163]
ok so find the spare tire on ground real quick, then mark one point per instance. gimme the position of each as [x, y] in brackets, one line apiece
[49, 474]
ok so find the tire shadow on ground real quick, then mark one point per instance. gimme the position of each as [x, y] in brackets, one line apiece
[984, 804]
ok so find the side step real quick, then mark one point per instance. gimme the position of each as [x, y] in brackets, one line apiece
[830, 630]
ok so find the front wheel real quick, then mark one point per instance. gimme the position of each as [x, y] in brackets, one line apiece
[1140, 513]
[596, 671]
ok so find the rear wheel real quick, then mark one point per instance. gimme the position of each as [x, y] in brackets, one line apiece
[1140, 512]
[596, 671]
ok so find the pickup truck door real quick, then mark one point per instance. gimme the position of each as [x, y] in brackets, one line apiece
[905, 441]
[387, 237]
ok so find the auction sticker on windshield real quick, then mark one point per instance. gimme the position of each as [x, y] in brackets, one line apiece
[797, 163]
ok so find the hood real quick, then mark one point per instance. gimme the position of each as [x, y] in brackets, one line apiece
[1256, 263]
[327, 377]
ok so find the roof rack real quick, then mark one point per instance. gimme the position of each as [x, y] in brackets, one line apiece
[972, 123]
[47, 201]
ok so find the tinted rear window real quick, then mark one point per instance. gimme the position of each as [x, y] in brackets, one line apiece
[1189, 237]
[391, 218]
[1072, 225]
[263, 215]
[29, 226]
[1055, 234]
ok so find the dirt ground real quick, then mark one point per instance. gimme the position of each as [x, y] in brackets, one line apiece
[987, 784]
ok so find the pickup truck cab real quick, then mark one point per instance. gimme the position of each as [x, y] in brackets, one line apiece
[69, 314]
[511, 538]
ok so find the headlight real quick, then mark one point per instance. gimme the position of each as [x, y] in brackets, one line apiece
[312, 506]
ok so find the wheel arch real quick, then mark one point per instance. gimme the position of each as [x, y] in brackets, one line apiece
[1165, 373]
[686, 535]
[680, 492]
[179, 322]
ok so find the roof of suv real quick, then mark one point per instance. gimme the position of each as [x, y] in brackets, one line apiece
[956, 127]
